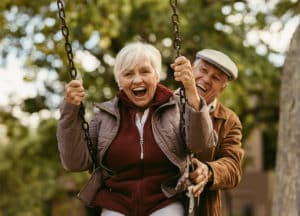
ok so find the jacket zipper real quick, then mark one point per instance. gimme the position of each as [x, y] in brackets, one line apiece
[138, 199]
[142, 147]
[140, 123]
[139, 195]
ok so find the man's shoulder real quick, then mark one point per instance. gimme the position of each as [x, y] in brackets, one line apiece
[225, 112]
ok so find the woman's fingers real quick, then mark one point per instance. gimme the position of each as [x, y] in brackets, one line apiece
[75, 84]
[74, 92]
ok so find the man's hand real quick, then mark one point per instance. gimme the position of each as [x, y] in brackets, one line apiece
[199, 176]
[74, 92]
[183, 72]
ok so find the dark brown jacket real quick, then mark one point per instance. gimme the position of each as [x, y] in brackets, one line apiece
[224, 160]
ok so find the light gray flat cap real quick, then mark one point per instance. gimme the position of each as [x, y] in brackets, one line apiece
[219, 60]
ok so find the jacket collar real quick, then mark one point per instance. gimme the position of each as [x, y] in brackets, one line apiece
[212, 106]
[220, 112]
[161, 96]
[110, 106]
[164, 98]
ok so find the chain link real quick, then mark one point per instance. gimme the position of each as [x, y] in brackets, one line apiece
[193, 203]
[73, 73]
[177, 46]
[175, 21]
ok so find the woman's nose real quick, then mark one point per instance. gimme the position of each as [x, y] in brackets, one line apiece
[137, 79]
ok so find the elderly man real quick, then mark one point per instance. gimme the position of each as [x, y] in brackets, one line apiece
[218, 168]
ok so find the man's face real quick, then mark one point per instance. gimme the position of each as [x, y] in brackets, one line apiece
[210, 80]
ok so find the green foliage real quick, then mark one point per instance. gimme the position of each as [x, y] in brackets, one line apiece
[28, 168]
[31, 174]
[292, 7]
[35, 104]
[30, 171]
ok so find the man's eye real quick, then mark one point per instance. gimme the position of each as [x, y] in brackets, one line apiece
[217, 78]
[203, 70]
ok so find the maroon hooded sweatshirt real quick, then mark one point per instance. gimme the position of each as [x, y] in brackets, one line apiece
[135, 189]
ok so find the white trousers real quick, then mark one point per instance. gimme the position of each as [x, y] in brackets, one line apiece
[174, 209]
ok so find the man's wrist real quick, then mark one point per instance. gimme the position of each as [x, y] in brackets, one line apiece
[210, 178]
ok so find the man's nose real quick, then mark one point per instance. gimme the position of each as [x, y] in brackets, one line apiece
[206, 78]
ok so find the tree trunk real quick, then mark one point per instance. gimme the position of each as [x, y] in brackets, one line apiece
[286, 185]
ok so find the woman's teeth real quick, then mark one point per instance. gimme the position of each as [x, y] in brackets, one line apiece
[139, 91]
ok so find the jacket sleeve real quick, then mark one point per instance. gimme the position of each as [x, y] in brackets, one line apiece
[200, 135]
[227, 166]
[72, 147]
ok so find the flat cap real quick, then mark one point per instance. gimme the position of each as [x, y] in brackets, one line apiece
[219, 60]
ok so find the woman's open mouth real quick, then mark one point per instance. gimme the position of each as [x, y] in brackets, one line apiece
[139, 92]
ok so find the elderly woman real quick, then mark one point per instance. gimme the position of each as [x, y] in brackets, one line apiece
[137, 134]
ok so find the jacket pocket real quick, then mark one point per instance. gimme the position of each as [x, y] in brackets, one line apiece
[90, 189]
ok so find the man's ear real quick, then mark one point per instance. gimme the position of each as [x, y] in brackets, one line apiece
[224, 86]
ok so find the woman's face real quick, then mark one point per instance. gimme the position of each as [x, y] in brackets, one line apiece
[139, 83]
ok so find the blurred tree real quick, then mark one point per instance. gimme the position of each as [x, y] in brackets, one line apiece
[30, 169]
[29, 166]
[287, 165]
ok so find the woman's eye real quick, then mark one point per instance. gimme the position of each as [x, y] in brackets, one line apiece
[127, 74]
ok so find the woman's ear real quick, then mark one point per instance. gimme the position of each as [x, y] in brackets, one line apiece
[157, 77]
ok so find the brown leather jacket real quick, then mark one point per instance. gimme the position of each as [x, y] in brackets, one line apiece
[104, 127]
[225, 159]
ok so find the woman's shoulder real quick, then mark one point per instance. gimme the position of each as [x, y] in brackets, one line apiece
[110, 106]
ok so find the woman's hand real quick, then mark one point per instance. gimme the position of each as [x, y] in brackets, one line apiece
[199, 176]
[74, 92]
[183, 72]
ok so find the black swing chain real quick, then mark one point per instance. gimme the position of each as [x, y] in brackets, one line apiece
[175, 21]
[177, 47]
[73, 73]
[183, 101]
